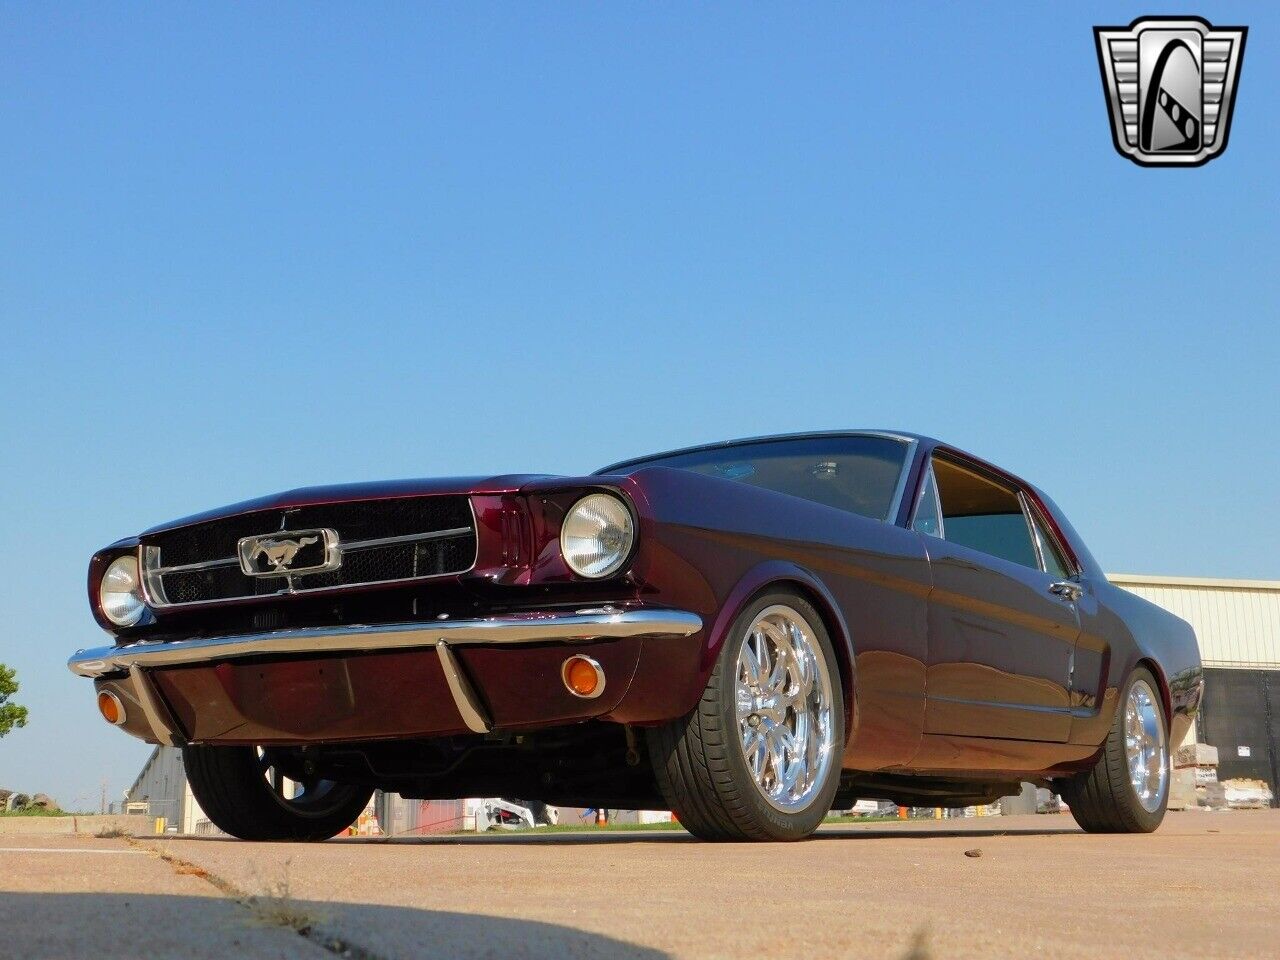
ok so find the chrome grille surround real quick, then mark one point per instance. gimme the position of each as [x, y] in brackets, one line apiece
[398, 557]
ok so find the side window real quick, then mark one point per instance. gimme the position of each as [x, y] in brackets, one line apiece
[928, 513]
[1055, 563]
[983, 515]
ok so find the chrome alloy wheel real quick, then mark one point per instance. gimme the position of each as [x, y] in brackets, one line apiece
[783, 696]
[1145, 747]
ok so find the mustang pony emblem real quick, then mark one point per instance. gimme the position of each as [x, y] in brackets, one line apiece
[280, 553]
[275, 555]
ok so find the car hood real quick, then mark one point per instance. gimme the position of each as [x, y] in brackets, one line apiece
[378, 490]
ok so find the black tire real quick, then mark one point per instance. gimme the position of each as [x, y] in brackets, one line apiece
[1103, 799]
[699, 760]
[231, 786]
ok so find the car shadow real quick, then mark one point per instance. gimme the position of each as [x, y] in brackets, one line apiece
[120, 926]
[916, 830]
[865, 833]
[504, 838]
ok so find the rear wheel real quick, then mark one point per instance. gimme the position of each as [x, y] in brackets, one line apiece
[1127, 790]
[246, 793]
[759, 757]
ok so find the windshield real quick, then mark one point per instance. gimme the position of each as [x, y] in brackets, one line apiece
[858, 474]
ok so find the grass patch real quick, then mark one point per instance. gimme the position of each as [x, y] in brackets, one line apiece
[112, 833]
[40, 812]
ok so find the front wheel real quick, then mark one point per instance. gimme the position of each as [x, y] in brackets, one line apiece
[1127, 790]
[759, 757]
[246, 793]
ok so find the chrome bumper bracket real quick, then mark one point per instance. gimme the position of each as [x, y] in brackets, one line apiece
[153, 708]
[464, 694]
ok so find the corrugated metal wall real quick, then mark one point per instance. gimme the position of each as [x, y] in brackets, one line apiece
[163, 784]
[1236, 621]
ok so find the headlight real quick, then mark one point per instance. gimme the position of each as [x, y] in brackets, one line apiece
[120, 592]
[597, 535]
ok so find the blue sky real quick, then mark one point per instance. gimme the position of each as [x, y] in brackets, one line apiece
[245, 249]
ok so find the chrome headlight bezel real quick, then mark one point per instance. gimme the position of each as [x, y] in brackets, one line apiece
[598, 535]
[120, 596]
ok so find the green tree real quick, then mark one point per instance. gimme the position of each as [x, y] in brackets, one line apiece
[11, 714]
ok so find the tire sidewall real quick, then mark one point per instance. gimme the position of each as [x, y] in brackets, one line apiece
[784, 826]
[229, 785]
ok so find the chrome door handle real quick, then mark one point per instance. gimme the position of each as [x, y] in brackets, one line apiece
[1066, 590]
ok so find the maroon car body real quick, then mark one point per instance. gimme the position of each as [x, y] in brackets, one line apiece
[962, 674]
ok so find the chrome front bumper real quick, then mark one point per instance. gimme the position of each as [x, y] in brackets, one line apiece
[603, 623]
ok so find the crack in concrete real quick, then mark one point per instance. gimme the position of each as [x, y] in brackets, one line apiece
[274, 909]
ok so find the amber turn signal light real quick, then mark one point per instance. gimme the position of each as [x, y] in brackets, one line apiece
[110, 707]
[582, 677]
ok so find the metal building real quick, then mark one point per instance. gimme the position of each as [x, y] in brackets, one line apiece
[1238, 625]
[162, 786]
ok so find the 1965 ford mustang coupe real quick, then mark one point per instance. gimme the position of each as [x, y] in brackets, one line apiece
[746, 633]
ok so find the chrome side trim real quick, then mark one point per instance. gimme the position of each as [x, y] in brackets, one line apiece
[1042, 529]
[548, 627]
[900, 489]
[464, 695]
[153, 708]
[187, 567]
[406, 538]
[1031, 530]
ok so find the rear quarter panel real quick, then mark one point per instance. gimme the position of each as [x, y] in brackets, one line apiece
[1121, 631]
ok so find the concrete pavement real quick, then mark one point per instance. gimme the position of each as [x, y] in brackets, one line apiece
[1205, 885]
[65, 896]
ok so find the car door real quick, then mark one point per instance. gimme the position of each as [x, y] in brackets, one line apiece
[1002, 629]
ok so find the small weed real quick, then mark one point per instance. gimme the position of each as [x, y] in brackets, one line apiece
[111, 833]
[277, 907]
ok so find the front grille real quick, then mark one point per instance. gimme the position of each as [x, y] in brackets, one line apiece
[433, 536]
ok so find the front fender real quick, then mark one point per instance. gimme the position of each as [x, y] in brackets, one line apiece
[782, 573]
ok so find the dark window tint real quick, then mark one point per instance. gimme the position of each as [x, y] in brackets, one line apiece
[857, 474]
[984, 515]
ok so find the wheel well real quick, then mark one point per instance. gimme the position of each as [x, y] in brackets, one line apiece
[1163, 684]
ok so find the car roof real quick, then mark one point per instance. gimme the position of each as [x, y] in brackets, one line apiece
[920, 442]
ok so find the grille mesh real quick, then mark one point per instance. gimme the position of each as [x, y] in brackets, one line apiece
[355, 521]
